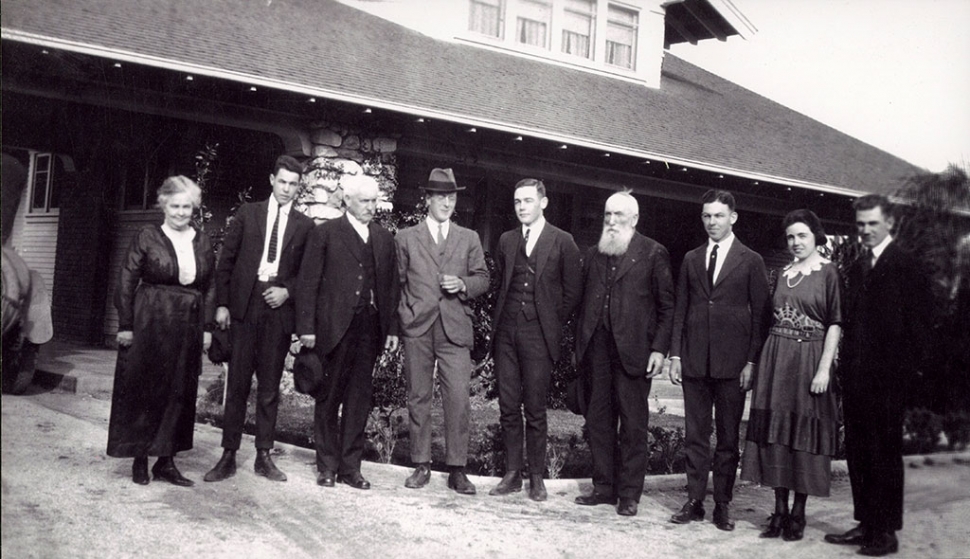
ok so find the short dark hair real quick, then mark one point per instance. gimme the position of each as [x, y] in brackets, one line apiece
[873, 201]
[809, 218]
[289, 163]
[540, 187]
[722, 196]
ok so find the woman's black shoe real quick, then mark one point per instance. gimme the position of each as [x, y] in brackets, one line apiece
[795, 528]
[777, 523]
[139, 470]
[166, 470]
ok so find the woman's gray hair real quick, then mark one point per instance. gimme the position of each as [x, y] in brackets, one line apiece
[179, 184]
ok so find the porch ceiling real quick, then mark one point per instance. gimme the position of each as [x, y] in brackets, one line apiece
[331, 51]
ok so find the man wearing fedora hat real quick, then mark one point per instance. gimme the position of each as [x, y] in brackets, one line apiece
[346, 299]
[442, 268]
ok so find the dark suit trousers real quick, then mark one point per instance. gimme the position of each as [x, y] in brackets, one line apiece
[874, 450]
[726, 399]
[260, 341]
[619, 460]
[523, 371]
[339, 437]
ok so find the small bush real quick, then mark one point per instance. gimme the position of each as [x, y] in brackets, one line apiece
[956, 425]
[921, 431]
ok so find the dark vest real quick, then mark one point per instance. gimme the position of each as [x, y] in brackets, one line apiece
[604, 271]
[520, 299]
[367, 295]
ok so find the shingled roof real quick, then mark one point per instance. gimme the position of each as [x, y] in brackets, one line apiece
[327, 49]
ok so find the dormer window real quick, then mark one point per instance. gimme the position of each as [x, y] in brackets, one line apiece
[532, 23]
[621, 37]
[485, 17]
[588, 33]
[578, 26]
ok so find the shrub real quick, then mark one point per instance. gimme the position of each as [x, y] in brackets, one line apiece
[921, 431]
[956, 425]
[666, 450]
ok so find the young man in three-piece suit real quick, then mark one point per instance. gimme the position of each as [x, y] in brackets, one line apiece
[442, 268]
[886, 339]
[540, 268]
[719, 328]
[255, 286]
[346, 298]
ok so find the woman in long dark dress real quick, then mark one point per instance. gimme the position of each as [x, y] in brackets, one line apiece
[165, 301]
[793, 423]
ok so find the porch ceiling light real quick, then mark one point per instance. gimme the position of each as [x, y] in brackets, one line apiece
[189, 78]
[44, 51]
[419, 119]
[756, 183]
[646, 161]
[607, 154]
[720, 176]
[367, 111]
[564, 146]
[312, 100]
[683, 169]
[117, 65]
[473, 129]
[517, 139]
[252, 88]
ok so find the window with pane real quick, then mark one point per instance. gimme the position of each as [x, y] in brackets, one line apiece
[577, 27]
[485, 17]
[621, 37]
[532, 23]
[51, 174]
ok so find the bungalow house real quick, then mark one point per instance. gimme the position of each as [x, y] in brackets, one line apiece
[103, 99]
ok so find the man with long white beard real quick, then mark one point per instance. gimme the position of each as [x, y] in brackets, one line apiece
[625, 322]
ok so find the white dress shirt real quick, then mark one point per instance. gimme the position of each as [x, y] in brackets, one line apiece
[880, 248]
[534, 231]
[268, 270]
[433, 228]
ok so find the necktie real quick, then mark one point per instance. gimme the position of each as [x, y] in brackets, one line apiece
[711, 266]
[526, 241]
[441, 234]
[274, 236]
[867, 257]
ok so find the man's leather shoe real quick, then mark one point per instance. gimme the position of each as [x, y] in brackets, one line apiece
[354, 479]
[627, 507]
[855, 536]
[777, 523]
[139, 470]
[537, 488]
[722, 517]
[224, 468]
[419, 477]
[594, 499]
[692, 510]
[165, 470]
[326, 478]
[265, 467]
[458, 481]
[511, 483]
[880, 544]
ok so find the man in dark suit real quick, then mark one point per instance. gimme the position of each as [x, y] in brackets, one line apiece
[442, 268]
[540, 268]
[624, 332]
[886, 336]
[255, 286]
[719, 328]
[346, 301]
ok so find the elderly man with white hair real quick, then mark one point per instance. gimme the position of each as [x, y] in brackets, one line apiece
[625, 322]
[347, 300]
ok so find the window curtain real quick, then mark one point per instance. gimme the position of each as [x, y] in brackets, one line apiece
[485, 18]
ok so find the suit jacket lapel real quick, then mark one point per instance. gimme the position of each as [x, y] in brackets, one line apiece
[700, 268]
[289, 231]
[542, 249]
[630, 257]
[731, 261]
[261, 218]
[510, 255]
[350, 238]
[377, 244]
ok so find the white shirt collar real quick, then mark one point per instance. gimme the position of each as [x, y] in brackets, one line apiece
[274, 204]
[433, 227]
[358, 226]
[724, 243]
[536, 228]
[881, 247]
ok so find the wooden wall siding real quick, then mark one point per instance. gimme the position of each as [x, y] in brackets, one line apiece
[128, 224]
[35, 240]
